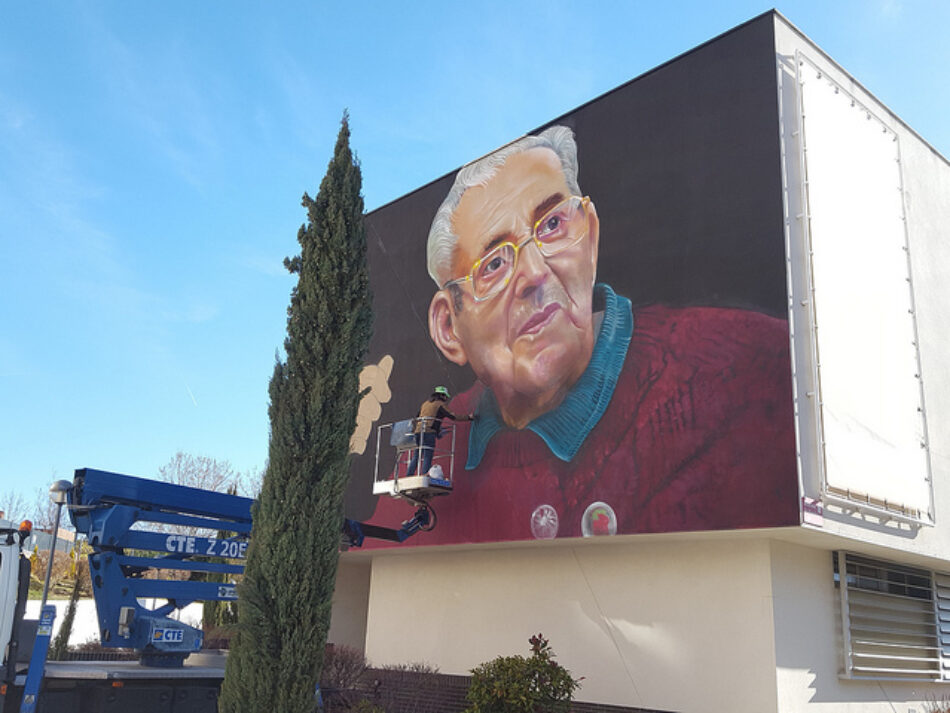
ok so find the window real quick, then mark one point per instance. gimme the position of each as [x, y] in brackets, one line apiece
[895, 619]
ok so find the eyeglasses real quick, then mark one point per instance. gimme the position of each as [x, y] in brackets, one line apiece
[560, 228]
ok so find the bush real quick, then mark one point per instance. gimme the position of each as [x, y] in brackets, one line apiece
[93, 646]
[366, 706]
[412, 668]
[342, 667]
[407, 688]
[515, 684]
[61, 579]
[937, 705]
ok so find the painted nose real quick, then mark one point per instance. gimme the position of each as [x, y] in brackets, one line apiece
[531, 271]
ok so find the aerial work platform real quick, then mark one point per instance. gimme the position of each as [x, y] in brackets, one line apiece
[417, 487]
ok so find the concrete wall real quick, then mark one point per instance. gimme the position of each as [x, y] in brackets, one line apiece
[680, 626]
[350, 602]
[732, 623]
[807, 643]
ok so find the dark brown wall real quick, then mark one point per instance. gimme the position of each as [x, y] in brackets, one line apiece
[683, 164]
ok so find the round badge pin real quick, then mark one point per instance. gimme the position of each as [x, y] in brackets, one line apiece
[598, 519]
[544, 522]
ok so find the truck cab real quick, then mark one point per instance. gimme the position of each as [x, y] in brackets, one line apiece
[16, 637]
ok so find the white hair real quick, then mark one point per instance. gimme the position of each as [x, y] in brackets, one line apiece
[441, 245]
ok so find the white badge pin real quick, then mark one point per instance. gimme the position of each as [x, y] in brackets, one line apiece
[544, 522]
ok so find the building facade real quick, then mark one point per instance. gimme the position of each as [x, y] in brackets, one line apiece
[756, 517]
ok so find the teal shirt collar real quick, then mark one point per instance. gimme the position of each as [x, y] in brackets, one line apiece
[565, 428]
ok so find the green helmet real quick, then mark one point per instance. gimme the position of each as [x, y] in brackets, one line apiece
[441, 391]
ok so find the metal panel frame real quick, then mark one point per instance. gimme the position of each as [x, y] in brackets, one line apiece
[847, 499]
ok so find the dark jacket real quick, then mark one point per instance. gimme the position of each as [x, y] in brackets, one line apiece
[431, 414]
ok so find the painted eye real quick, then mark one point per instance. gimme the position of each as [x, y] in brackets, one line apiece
[492, 266]
[552, 227]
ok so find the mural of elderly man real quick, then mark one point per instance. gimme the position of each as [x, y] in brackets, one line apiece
[593, 417]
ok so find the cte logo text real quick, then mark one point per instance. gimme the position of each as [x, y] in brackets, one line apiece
[168, 635]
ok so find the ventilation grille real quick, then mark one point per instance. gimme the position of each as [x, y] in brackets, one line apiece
[890, 614]
[942, 595]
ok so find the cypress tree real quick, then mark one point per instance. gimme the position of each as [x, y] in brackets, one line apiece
[285, 597]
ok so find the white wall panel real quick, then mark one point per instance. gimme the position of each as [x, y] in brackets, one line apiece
[683, 626]
[871, 409]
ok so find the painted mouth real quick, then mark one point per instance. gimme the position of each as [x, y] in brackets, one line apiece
[540, 319]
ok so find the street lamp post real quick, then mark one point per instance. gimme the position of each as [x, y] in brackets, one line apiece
[58, 493]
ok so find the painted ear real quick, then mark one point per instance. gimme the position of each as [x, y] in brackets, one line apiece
[594, 228]
[442, 328]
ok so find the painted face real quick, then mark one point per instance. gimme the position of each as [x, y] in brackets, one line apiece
[531, 342]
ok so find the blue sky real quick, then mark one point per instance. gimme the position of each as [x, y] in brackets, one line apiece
[153, 155]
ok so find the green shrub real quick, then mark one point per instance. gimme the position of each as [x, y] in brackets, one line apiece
[408, 688]
[515, 684]
[367, 706]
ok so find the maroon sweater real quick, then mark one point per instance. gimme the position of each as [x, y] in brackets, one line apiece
[698, 435]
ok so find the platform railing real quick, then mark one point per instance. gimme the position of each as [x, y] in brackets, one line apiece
[402, 444]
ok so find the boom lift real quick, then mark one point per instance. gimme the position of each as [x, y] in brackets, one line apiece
[107, 508]
[129, 525]
[416, 487]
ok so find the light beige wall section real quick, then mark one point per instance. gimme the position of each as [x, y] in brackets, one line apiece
[927, 206]
[683, 626]
[808, 646]
[926, 181]
[350, 601]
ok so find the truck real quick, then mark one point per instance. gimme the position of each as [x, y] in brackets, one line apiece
[137, 530]
[133, 526]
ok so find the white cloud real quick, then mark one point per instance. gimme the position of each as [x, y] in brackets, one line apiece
[305, 106]
[46, 203]
[891, 9]
[269, 265]
[157, 90]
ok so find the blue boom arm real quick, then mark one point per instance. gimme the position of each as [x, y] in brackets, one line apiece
[355, 532]
[107, 506]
